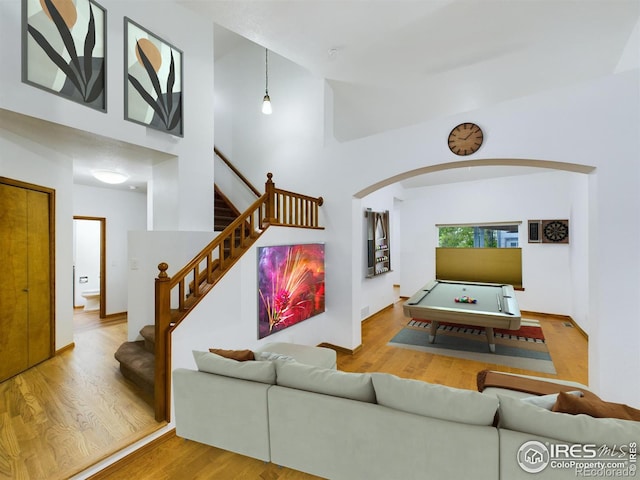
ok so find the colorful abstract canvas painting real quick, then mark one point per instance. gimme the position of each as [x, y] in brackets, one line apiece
[153, 80]
[290, 285]
[64, 49]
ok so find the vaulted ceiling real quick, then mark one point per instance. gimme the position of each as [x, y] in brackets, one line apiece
[393, 63]
[396, 63]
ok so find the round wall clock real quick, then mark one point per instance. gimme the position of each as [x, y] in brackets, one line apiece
[556, 231]
[465, 139]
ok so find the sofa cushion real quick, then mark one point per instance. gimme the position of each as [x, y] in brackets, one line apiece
[271, 356]
[317, 356]
[436, 401]
[595, 407]
[519, 416]
[257, 371]
[239, 355]
[355, 386]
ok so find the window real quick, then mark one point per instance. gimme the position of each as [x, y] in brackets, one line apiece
[501, 235]
[480, 253]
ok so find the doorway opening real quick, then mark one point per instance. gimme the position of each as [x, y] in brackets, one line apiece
[89, 264]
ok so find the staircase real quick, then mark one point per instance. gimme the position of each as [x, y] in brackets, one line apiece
[137, 359]
[147, 362]
[224, 213]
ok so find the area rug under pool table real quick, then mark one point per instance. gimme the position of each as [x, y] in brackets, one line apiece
[524, 348]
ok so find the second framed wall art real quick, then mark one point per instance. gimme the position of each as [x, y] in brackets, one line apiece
[153, 80]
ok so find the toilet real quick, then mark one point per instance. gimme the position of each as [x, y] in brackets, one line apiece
[92, 300]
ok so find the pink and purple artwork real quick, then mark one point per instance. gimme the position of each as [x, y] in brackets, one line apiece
[290, 285]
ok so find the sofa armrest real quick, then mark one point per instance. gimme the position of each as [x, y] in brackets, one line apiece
[521, 386]
[222, 411]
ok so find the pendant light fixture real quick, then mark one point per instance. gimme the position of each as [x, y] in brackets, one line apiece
[266, 101]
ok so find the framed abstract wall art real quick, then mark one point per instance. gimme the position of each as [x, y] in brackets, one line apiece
[290, 285]
[64, 49]
[153, 80]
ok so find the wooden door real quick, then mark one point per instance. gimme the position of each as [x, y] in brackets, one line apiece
[26, 320]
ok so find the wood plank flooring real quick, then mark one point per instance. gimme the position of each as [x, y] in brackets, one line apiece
[178, 458]
[73, 410]
[567, 347]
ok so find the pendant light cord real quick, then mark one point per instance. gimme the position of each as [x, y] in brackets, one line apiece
[266, 71]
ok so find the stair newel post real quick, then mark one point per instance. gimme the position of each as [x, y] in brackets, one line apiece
[162, 324]
[316, 217]
[270, 191]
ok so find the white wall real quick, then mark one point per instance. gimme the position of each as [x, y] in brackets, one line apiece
[123, 211]
[238, 192]
[531, 128]
[37, 163]
[579, 188]
[228, 316]
[289, 143]
[146, 250]
[377, 292]
[588, 124]
[195, 151]
[608, 106]
[546, 268]
[284, 142]
[34, 163]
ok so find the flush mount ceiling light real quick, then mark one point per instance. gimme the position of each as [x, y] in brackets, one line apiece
[110, 176]
[266, 101]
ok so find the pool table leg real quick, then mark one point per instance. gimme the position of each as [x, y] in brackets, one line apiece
[433, 328]
[490, 339]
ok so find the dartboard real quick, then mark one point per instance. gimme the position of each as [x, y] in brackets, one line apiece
[556, 231]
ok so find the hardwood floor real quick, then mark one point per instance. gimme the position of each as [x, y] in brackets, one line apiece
[567, 347]
[73, 410]
[177, 458]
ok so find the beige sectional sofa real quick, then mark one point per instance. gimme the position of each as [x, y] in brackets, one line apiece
[341, 425]
[520, 422]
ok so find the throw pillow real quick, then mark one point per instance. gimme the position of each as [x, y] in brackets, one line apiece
[595, 407]
[355, 386]
[208, 362]
[547, 401]
[239, 355]
[436, 401]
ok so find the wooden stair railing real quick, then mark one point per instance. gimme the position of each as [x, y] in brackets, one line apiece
[236, 171]
[291, 209]
[176, 296]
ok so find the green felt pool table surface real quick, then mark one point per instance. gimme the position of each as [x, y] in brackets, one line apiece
[496, 307]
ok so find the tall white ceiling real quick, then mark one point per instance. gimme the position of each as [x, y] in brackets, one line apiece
[393, 63]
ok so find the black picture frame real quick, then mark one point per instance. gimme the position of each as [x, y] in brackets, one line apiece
[64, 50]
[153, 80]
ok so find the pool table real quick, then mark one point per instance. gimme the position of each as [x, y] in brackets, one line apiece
[495, 306]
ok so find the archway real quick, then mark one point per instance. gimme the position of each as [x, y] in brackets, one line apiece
[488, 162]
[412, 270]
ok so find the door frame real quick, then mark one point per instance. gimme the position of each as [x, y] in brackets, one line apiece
[103, 261]
[51, 193]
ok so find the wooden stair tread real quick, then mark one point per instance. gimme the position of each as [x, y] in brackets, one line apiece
[137, 364]
[223, 212]
[148, 332]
